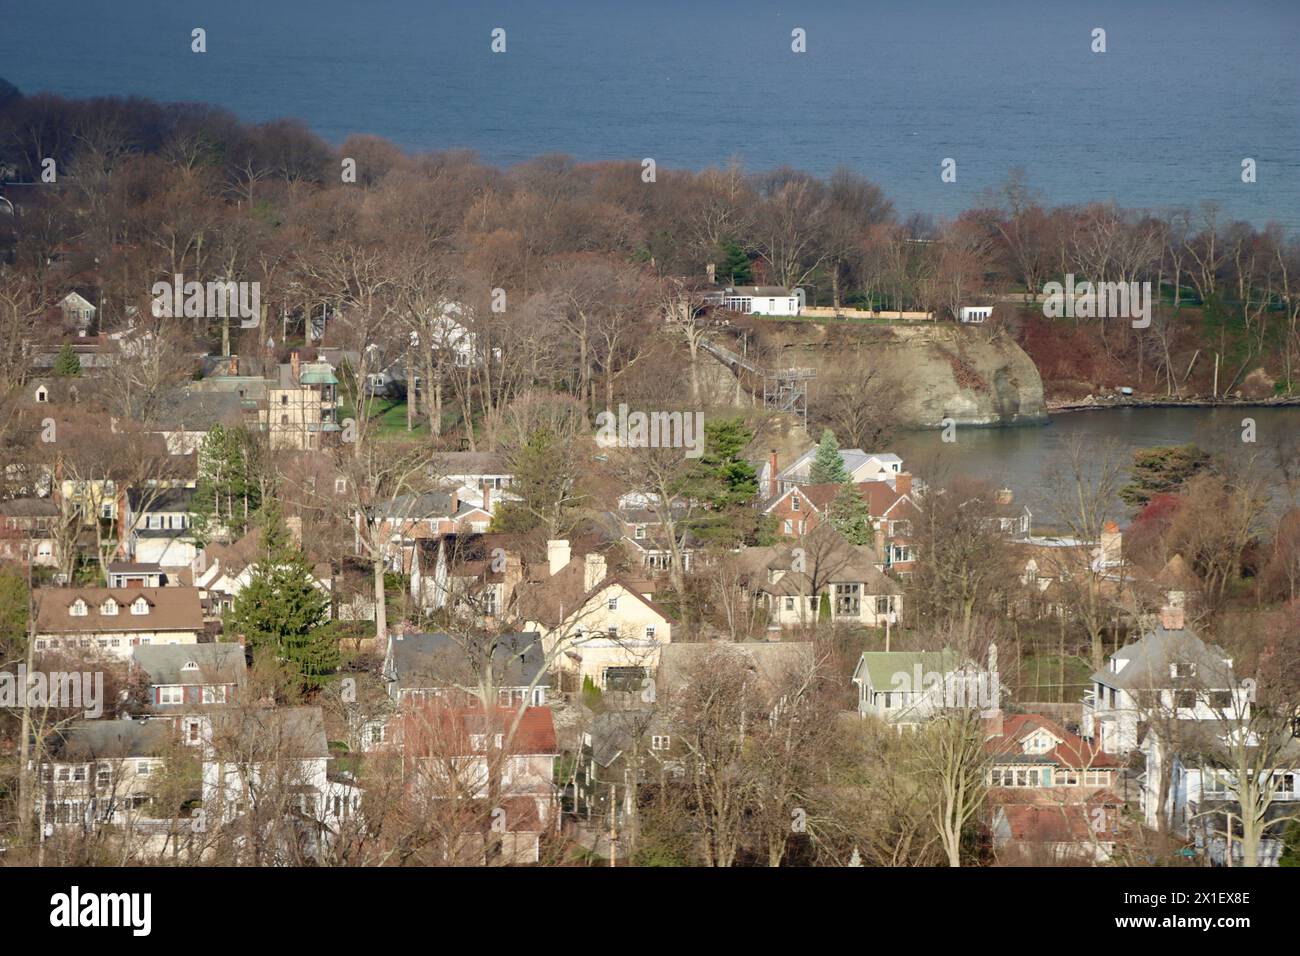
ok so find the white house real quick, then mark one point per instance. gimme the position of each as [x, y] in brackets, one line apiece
[253, 758]
[975, 314]
[906, 688]
[1169, 674]
[761, 300]
[1200, 797]
[860, 465]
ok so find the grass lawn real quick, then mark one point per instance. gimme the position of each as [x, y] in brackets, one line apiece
[1039, 678]
[388, 417]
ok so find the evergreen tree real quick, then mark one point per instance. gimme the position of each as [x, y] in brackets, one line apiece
[721, 477]
[13, 613]
[851, 516]
[725, 483]
[828, 464]
[67, 365]
[733, 265]
[226, 493]
[282, 612]
[1163, 470]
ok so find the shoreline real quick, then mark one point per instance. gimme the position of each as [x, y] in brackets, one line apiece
[1108, 403]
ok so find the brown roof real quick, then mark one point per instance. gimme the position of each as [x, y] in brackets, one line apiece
[170, 609]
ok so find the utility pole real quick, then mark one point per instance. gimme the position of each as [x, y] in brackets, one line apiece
[613, 834]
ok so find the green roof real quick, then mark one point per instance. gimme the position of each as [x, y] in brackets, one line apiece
[883, 667]
[317, 375]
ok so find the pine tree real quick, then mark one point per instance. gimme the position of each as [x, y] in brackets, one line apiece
[828, 464]
[67, 365]
[282, 611]
[851, 516]
[226, 493]
[734, 267]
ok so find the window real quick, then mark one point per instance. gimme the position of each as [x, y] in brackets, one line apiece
[649, 632]
[1221, 699]
[143, 767]
[1182, 670]
[193, 730]
[789, 604]
[1185, 699]
[109, 607]
[885, 604]
[660, 742]
[340, 486]
[78, 774]
[171, 695]
[103, 777]
[141, 606]
[612, 604]
[794, 502]
[214, 694]
[611, 630]
[284, 399]
[42, 395]
[789, 526]
[78, 608]
[848, 600]
[639, 532]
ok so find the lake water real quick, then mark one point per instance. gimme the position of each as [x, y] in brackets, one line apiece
[1023, 458]
[1185, 90]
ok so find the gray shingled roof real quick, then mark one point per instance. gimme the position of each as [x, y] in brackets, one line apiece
[165, 663]
[89, 739]
[436, 660]
[1149, 657]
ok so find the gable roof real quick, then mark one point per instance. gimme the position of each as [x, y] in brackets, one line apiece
[429, 660]
[269, 733]
[1073, 751]
[882, 668]
[1146, 662]
[221, 663]
[435, 729]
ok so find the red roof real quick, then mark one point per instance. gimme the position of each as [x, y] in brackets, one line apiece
[438, 728]
[1073, 751]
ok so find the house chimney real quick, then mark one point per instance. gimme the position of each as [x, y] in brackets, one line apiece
[557, 555]
[593, 571]
[771, 474]
[1004, 496]
[903, 483]
[1172, 615]
[487, 496]
[878, 534]
[993, 723]
[711, 270]
[295, 364]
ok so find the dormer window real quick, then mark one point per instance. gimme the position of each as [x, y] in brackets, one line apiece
[78, 608]
[140, 606]
[109, 608]
[190, 666]
[42, 395]
[639, 533]
[1182, 669]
